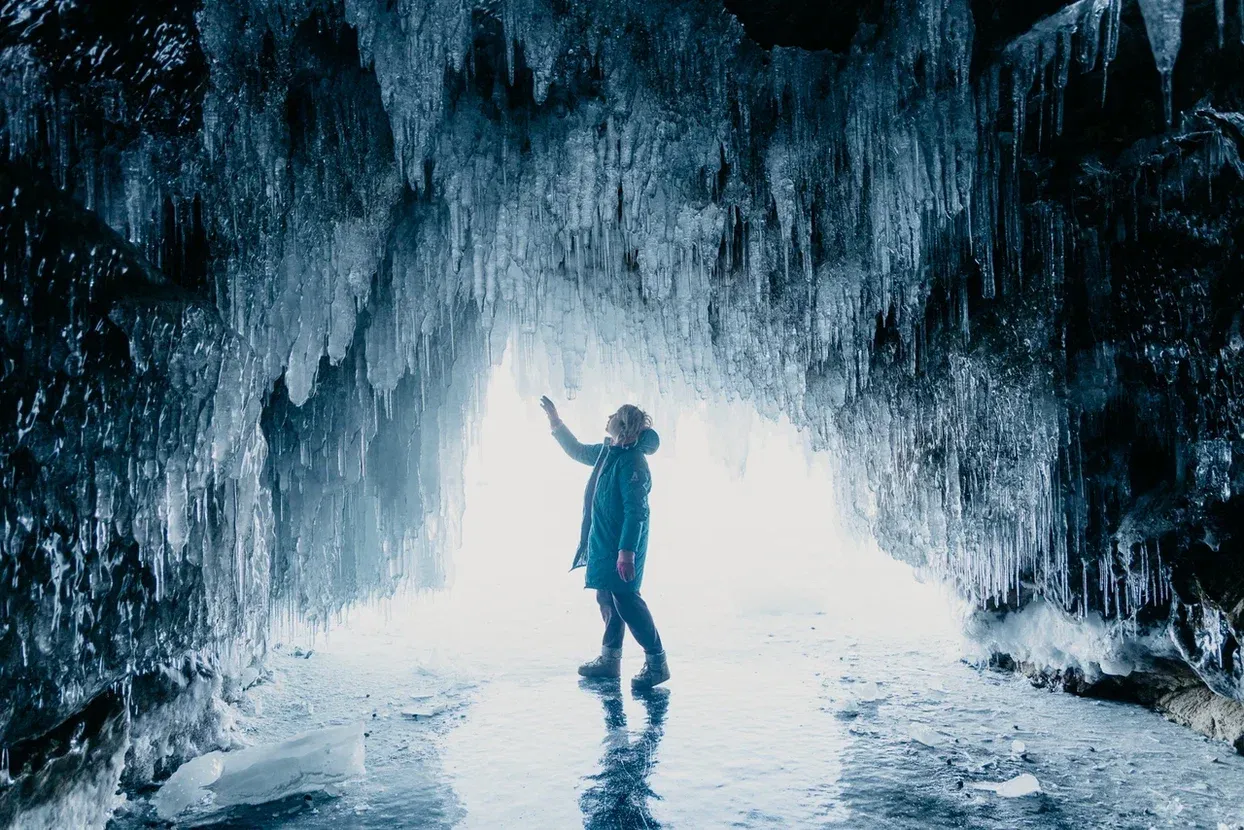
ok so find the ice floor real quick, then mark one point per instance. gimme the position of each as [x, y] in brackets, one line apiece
[769, 721]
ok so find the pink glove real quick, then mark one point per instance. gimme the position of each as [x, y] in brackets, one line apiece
[626, 565]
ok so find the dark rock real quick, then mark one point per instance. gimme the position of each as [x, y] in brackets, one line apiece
[1169, 687]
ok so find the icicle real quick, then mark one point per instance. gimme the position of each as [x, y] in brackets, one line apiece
[1111, 46]
[1061, 74]
[1163, 23]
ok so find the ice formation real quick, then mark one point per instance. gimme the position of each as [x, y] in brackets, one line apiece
[216, 781]
[1044, 635]
[259, 257]
[1021, 785]
[924, 734]
[1164, 23]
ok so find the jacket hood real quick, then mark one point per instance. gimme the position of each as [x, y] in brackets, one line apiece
[648, 442]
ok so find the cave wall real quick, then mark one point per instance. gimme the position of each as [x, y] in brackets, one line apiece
[136, 522]
[987, 256]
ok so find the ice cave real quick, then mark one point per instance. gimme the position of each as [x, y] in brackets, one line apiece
[937, 307]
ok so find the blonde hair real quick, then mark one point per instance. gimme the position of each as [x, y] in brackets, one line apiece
[631, 421]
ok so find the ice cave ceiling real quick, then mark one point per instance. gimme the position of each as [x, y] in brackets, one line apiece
[259, 256]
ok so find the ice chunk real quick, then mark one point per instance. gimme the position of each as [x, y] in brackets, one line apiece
[248, 677]
[1020, 785]
[1018, 748]
[305, 763]
[869, 692]
[924, 734]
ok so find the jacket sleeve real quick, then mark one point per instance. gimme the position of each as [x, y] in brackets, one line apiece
[634, 504]
[583, 453]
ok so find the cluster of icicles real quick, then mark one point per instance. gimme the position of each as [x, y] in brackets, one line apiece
[737, 219]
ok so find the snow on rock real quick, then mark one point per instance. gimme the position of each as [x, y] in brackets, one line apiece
[309, 762]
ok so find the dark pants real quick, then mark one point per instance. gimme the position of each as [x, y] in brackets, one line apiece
[628, 610]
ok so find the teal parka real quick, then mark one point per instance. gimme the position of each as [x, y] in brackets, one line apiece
[615, 507]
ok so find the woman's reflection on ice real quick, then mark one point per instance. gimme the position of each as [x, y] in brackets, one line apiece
[617, 798]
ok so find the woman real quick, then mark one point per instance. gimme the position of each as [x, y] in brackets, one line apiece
[613, 540]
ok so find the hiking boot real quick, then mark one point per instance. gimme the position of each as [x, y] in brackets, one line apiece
[607, 665]
[656, 670]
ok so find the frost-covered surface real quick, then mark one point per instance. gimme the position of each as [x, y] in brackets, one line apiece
[968, 255]
[68, 778]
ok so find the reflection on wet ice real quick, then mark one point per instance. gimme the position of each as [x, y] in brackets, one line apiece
[617, 798]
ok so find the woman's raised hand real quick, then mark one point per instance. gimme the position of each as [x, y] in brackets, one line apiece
[551, 410]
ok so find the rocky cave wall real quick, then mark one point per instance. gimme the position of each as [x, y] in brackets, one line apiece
[259, 257]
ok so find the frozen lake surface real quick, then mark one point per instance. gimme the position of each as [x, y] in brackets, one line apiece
[769, 721]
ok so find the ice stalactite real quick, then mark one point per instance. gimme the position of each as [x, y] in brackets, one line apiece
[1164, 23]
[1086, 32]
